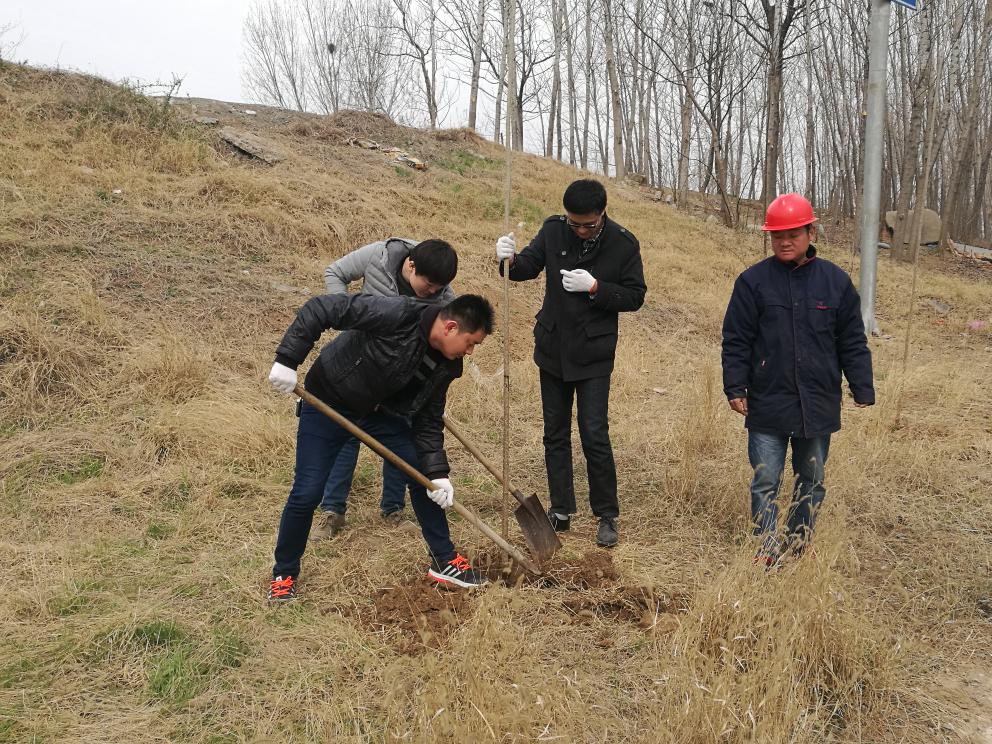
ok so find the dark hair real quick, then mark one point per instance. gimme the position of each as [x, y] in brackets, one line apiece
[471, 312]
[584, 196]
[435, 260]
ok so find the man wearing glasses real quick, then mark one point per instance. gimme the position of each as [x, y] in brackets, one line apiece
[594, 271]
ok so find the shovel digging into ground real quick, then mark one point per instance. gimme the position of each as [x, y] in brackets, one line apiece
[413, 473]
[540, 536]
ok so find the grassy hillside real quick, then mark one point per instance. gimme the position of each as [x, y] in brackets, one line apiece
[147, 273]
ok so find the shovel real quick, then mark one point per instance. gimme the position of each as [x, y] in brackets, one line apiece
[413, 473]
[540, 536]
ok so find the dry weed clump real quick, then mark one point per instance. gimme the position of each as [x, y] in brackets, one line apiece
[144, 464]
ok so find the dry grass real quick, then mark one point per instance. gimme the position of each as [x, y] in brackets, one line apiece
[144, 463]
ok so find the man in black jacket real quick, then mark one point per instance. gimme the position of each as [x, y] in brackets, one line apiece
[792, 326]
[594, 271]
[388, 372]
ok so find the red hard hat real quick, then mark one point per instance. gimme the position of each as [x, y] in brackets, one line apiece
[788, 211]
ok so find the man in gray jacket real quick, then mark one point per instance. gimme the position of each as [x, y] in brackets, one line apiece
[394, 267]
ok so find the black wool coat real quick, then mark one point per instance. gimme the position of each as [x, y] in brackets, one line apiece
[575, 335]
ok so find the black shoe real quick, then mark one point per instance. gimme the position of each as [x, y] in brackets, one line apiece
[282, 589]
[607, 535]
[560, 522]
[456, 572]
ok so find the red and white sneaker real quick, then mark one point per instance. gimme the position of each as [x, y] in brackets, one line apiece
[456, 572]
[282, 589]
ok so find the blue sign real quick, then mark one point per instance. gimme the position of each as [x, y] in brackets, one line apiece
[911, 4]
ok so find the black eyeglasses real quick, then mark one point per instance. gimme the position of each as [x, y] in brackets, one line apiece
[584, 225]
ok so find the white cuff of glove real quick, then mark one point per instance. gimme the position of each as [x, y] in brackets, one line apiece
[443, 494]
[282, 378]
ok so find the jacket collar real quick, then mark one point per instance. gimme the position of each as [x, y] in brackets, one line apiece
[397, 251]
[427, 318]
[792, 265]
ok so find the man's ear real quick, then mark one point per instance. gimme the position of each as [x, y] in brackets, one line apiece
[450, 327]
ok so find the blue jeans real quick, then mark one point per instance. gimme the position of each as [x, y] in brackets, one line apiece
[766, 452]
[318, 441]
[339, 482]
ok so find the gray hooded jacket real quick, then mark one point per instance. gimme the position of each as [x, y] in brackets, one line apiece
[377, 264]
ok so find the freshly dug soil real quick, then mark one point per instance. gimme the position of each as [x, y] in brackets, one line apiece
[424, 615]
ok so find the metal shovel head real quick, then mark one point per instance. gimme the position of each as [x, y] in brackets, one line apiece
[538, 533]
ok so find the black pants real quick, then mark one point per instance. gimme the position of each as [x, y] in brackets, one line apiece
[593, 397]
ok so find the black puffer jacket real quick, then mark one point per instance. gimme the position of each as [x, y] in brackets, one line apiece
[371, 366]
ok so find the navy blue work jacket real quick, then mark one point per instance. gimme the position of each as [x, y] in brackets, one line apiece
[788, 334]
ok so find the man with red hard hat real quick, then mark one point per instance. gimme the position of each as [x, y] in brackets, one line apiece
[792, 326]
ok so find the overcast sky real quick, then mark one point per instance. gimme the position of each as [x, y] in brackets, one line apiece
[199, 40]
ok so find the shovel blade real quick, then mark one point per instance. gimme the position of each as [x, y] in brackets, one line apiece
[538, 533]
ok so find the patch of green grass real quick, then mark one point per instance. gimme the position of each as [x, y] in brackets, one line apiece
[89, 467]
[229, 648]
[77, 598]
[158, 531]
[222, 738]
[521, 209]
[11, 730]
[478, 484]
[158, 633]
[402, 171]
[175, 496]
[189, 591]
[236, 490]
[462, 161]
[365, 473]
[177, 676]
[12, 675]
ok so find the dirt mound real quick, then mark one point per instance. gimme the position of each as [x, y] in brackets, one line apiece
[593, 591]
[633, 604]
[421, 616]
[593, 570]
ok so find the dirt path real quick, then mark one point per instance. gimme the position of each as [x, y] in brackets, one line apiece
[967, 693]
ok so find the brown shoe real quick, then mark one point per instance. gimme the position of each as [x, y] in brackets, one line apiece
[329, 527]
[393, 518]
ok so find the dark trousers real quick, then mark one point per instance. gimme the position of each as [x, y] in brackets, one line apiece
[593, 397]
[339, 482]
[318, 440]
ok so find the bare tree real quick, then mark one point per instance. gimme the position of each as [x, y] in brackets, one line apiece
[417, 24]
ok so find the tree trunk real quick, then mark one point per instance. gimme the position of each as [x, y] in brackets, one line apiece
[901, 248]
[611, 69]
[773, 106]
[961, 170]
[511, 73]
[573, 119]
[685, 139]
[555, 82]
[473, 101]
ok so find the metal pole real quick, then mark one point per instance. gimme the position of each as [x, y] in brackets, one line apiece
[878, 48]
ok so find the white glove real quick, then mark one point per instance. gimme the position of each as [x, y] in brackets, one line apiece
[579, 280]
[282, 378]
[444, 493]
[506, 248]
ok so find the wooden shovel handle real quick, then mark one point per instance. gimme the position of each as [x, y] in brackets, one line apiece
[415, 474]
